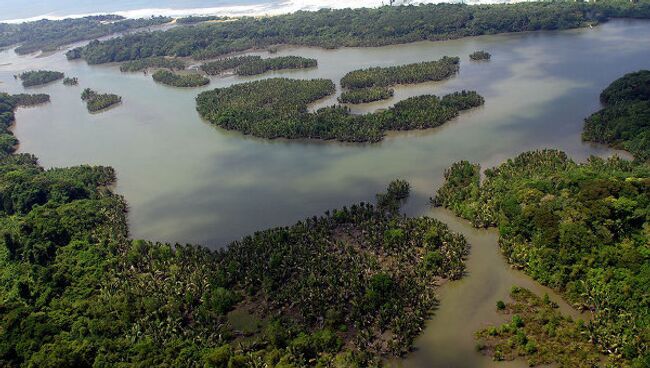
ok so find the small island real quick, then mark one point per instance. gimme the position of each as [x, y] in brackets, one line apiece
[39, 77]
[96, 102]
[436, 70]
[73, 81]
[480, 56]
[152, 63]
[624, 120]
[180, 80]
[277, 107]
[254, 65]
[364, 95]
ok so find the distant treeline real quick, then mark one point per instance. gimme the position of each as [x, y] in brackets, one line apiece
[39, 77]
[180, 80]
[359, 27]
[48, 35]
[277, 107]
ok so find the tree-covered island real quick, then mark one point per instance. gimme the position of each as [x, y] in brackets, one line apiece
[152, 63]
[70, 81]
[96, 102]
[480, 56]
[39, 77]
[180, 80]
[253, 65]
[365, 95]
[277, 107]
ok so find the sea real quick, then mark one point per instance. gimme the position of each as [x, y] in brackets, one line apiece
[18, 11]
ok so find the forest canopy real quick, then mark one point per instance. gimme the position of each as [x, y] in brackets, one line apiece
[581, 229]
[624, 122]
[359, 27]
[277, 107]
[152, 63]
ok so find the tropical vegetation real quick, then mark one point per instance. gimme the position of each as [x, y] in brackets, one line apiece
[343, 289]
[259, 66]
[96, 102]
[480, 55]
[217, 67]
[49, 35]
[436, 70]
[24, 99]
[180, 80]
[277, 107]
[39, 77]
[152, 63]
[359, 27]
[70, 81]
[538, 332]
[364, 95]
[624, 121]
[580, 228]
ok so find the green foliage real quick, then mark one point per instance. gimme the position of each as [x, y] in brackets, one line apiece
[73, 81]
[219, 66]
[480, 55]
[152, 63]
[259, 66]
[96, 102]
[24, 99]
[180, 80]
[624, 122]
[39, 77]
[48, 35]
[579, 228]
[540, 334]
[359, 27]
[403, 74]
[364, 95]
[398, 191]
[193, 19]
[277, 107]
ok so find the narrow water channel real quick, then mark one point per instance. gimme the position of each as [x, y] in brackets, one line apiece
[469, 304]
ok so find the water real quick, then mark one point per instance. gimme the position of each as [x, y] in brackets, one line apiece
[187, 181]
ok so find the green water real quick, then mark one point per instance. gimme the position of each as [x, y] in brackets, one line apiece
[186, 181]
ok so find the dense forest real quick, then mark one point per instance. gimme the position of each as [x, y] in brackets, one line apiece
[96, 102]
[152, 63]
[539, 333]
[436, 70]
[480, 55]
[579, 228]
[343, 289]
[277, 107]
[48, 35]
[364, 95]
[624, 122]
[360, 27]
[39, 77]
[24, 99]
[180, 80]
[70, 81]
[193, 19]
